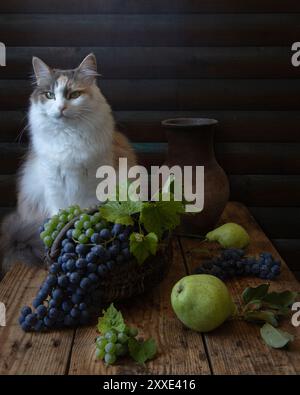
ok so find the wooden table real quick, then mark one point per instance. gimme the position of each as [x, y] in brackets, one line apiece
[234, 348]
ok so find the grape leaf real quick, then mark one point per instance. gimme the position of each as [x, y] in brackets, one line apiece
[142, 351]
[142, 246]
[280, 299]
[161, 215]
[275, 337]
[111, 319]
[256, 293]
[120, 212]
[261, 316]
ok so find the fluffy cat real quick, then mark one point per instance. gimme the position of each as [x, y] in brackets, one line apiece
[72, 133]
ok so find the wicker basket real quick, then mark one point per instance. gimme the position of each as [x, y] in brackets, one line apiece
[127, 280]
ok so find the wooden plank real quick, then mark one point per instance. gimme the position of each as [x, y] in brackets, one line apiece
[147, 7]
[29, 353]
[145, 126]
[146, 30]
[289, 249]
[266, 190]
[204, 94]
[278, 222]
[160, 62]
[236, 347]
[270, 126]
[179, 351]
[253, 190]
[238, 158]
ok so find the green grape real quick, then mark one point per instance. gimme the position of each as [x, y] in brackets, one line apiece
[77, 211]
[121, 350]
[111, 336]
[101, 342]
[132, 332]
[63, 218]
[70, 217]
[44, 234]
[54, 234]
[95, 218]
[87, 224]
[110, 359]
[70, 209]
[84, 217]
[48, 241]
[51, 226]
[83, 239]
[76, 233]
[100, 353]
[60, 225]
[110, 347]
[98, 227]
[89, 232]
[79, 225]
[122, 338]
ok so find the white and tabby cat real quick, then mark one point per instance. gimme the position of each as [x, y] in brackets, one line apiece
[72, 133]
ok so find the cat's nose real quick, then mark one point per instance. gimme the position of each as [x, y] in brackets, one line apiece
[62, 109]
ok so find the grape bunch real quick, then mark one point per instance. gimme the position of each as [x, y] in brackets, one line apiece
[91, 249]
[49, 231]
[233, 262]
[114, 344]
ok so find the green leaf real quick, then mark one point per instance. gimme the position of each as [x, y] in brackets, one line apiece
[261, 316]
[161, 215]
[280, 299]
[120, 212]
[142, 351]
[256, 293]
[142, 246]
[111, 319]
[253, 305]
[275, 337]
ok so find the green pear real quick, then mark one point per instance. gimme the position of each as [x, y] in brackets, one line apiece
[202, 302]
[229, 235]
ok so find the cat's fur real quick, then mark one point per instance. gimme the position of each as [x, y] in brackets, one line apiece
[70, 137]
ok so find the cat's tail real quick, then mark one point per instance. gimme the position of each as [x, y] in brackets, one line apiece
[19, 242]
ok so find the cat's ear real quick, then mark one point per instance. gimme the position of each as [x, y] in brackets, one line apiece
[41, 70]
[87, 70]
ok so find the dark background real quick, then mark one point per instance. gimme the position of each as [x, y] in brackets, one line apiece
[227, 59]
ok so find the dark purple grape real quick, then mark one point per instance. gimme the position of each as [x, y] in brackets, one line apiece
[105, 234]
[69, 247]
[74, 278]
[96, 238]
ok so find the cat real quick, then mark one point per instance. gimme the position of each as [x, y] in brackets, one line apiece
[72, 133]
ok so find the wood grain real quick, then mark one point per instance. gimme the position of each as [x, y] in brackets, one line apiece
[159, 62]
[254, 190]
[144, 30]
[235, 158]
[145, 126]
[148, 7]
[180, 351]
[236, 347]
[29, 353]
[204, 94]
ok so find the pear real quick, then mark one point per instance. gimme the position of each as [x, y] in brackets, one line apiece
[202, 302]
[229, 235]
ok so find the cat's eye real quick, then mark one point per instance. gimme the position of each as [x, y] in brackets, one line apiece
[50, 95]
[74, 95]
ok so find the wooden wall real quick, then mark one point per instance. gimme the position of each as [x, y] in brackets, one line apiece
[227, 59]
